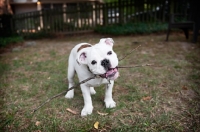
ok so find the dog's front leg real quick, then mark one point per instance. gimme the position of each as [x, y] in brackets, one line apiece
[87, 109]
[70, 94]
[110, 103]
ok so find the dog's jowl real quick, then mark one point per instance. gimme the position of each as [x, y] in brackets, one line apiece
[88, 60]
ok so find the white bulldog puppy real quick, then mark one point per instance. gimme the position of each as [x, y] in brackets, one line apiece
[88, 60]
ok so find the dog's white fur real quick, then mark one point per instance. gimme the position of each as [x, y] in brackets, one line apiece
[89, 60]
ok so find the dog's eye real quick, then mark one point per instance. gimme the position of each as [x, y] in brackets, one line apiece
[109, 53]
[93, 62]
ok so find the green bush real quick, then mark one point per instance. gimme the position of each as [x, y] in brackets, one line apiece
[132, 28]
[38, 35]
[8, 40]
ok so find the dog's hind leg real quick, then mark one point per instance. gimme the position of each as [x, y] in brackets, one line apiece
[71, 72]
[92, 91]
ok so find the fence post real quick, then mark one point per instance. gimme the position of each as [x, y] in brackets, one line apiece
[105, 14]
[12, 25]
[121, 11]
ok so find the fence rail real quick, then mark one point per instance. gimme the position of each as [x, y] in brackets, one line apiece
[86, 16]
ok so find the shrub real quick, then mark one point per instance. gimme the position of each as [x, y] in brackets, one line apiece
[38, 35]
[8, 40]
[132, 28]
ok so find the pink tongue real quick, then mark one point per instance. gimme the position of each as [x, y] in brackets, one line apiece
[110, 72]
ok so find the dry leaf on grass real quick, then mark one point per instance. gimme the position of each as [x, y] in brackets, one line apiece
[96, 125]
[146, 98]
[37, 123]
[37, 131]
[184, 88]
[71, 111]
[103, 114]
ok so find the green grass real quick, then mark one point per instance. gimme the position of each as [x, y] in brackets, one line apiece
[162, 97]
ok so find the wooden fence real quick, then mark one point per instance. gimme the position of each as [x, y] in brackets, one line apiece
[83, 17]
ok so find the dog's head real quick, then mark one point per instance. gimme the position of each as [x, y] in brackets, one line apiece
[100, 59]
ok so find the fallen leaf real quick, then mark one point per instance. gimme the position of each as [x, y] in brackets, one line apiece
[38, 131]
[103, 114]
[71, 111]
[184, 88]
[146, 98]
[96, 125]
[37, 123]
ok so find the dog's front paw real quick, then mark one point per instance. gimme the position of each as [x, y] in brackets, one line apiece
[87, 110]
[110, 103]
[70, 94]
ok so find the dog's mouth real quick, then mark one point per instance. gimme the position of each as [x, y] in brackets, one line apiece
[111, 74]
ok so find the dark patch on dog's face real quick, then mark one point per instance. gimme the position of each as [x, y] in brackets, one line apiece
[83, 46]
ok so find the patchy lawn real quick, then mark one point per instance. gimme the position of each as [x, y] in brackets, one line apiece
[162, 97]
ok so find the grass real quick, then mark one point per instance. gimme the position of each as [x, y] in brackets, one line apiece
[162, 97]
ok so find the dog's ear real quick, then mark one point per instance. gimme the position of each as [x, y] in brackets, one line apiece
[82, 56]
[108, 41]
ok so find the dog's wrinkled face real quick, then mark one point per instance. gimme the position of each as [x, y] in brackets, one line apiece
[101, 59]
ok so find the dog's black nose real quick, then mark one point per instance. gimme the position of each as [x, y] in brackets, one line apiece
[106, 64]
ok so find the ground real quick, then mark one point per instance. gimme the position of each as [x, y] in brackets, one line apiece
[162, 97]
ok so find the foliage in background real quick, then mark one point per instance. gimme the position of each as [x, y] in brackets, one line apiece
[38, 35]
[107, 1]
[8, 40]
[132, 28]
[4, 41]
